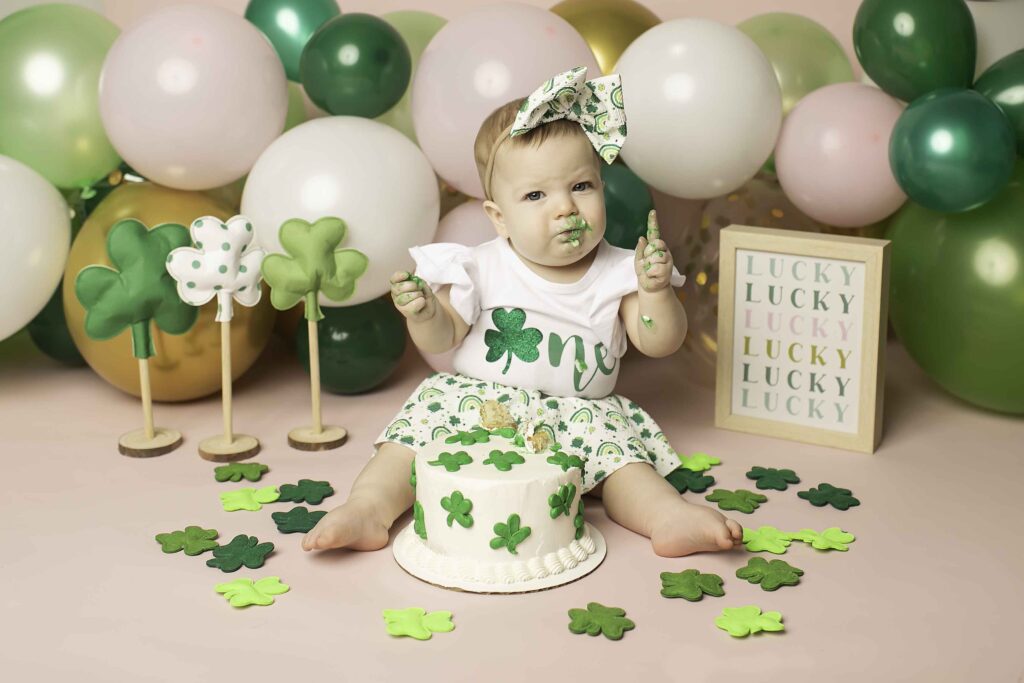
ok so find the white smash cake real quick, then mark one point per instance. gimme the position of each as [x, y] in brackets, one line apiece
[491, 515]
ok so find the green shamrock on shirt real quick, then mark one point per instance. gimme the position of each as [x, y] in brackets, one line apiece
[511, 339]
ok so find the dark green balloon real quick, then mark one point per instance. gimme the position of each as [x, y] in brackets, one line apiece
[289, 24]
[911, 47]
[49, 332]
[952, 150]
[360, 346]
[1003, 83]
[627, 201]
[356, 65]
[957, 296]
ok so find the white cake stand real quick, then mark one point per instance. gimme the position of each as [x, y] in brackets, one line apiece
[408, 545]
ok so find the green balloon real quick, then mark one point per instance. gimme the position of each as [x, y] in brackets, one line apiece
[952, 150]
[627, 201]
[289, 24]
[50, 62]
[356, 65]
[957, 296]
[360, 346]
[1003, 83]
[49, 332]
[911, 47]
[417, 29]
[804, 55]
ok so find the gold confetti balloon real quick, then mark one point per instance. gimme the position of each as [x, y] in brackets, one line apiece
[608, 26]
[186, 366]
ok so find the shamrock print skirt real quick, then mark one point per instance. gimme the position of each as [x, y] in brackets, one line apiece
[607, 432]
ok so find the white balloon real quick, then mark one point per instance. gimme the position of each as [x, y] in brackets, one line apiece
[35, 232]
[703, 108]
[361, 171]
[998, 25]
[190, 95]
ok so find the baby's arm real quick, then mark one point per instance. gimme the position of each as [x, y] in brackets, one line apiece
[434, 325]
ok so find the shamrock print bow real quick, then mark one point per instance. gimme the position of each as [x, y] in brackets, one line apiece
[596, 105]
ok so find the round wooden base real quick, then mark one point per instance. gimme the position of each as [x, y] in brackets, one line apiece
[218, 449]
[136, 445]
[305, 439]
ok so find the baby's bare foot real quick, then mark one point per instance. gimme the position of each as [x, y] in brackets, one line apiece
[354, 524]
[684, 528]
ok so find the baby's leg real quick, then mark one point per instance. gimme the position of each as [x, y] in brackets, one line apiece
[638, 498]
[379, 495]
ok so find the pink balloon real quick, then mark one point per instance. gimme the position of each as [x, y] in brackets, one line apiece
[833, 155]
[478, 62]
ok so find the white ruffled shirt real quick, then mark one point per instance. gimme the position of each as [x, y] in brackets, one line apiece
[529, 332]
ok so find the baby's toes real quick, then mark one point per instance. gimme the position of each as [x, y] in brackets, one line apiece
[735, 530]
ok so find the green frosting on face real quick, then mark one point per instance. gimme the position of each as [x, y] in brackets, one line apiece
[306, 491]
[597, 619]
[691, 585]
[509, 534]
[451, 461]
[417, 521]
[561, 501]
[504, 460]
[740, 500]
[771, 575]
[253, 471]
[194, 540]
[771, 478]
[826, 494]
[242, 550]
[458, 509]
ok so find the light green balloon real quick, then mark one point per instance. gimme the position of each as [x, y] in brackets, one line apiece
[50, 62]
[804, 55]
[417, 29]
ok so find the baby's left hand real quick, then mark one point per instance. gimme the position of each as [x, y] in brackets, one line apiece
[653, 262]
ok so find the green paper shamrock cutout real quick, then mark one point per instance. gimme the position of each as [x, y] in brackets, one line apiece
[684, 480]
[253, 471]
[458, 509]
[597, 619]
[248, 498]
[740, 500]
[195, 540]
[504, 460]
[477, 435]
[742, 621]
[699, 462]
[578, 520]
[771, 478]
[832, 538]
[767, 539]
[241, 550]
[826, 494]
[510, 338]
[561, 501]
[565, 461]
[771, 575]
[314, 264]
[418, 525]
[509, 534]
[297, 520]
[137, 289]
[245, 592]
[416, 623]
[306, 491]
[691, 585]
[451, 462]
[412, 475]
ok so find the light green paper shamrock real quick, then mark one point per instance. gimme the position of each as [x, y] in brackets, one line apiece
[451, 462]
[509, 534]
[832, 538]
[194, 540]
[511, 339]
[313, 264]
[698, 462]
[504, 460]
[771, 575]
[691, 585]
[766, 538]
[458, 508]
[561, 501]
[743, 621]
[248, 498]
[416, 623]
[137, 289]
[245, 592]
[740, 500]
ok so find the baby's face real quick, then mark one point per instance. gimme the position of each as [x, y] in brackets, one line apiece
[537, 189]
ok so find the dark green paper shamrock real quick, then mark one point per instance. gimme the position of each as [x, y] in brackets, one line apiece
[241, 550]
[451, 461]
[306, 491]
[417, 520]
[684, 480]
[770, 574]
[137, 289]
[578, 520]
[597, 619]
[511, 339]
[504, 460]
[826, 494]
[297, 520]
[771, 478]
[565, 461]
[561, 501]
[691, 585]
[313, 264]
[194, 540]
[510, 534]
[253, 471]
[458, 508]
[740, 500]
[474, 436]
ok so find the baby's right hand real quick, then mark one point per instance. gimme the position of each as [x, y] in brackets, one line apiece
[412, 297]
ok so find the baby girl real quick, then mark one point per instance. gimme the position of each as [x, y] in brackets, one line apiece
[540, 315]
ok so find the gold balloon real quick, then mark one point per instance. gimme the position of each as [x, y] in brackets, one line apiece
[608, 26]
[186, 366]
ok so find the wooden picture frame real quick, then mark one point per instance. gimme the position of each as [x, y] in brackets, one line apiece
[801, 336]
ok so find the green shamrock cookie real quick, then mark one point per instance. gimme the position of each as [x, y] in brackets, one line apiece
[743, 621]
[416, 623]
[771, 575]
[684, 479]
[194, 540]
[504, 460]
[740, 500]
[252, 471]
[474, 436]
[691, 585]
[561, 500]
[242, 550]
[248, 498]
[451, 462]
[297, 520]
[597, 619]
[245, 592]
[509, 534]
[306, 491]
[826, 494]
[771, 478]
[458, 508]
